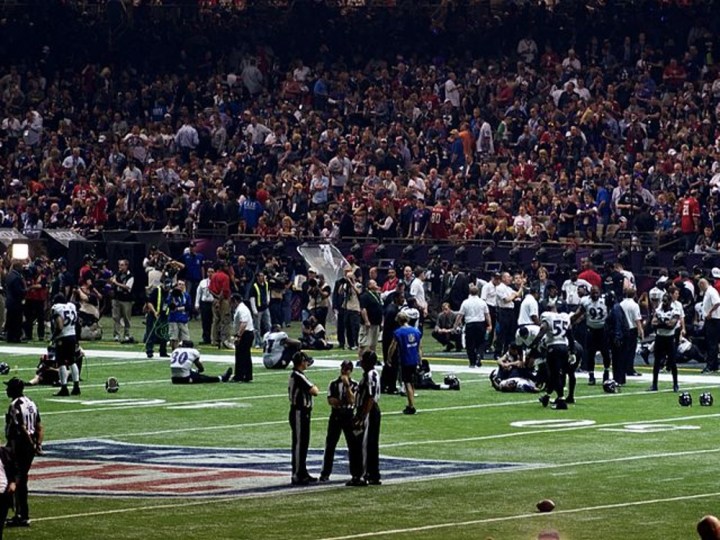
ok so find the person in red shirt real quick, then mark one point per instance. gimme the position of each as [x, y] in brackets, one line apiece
[440, 221]
[220, 289]
[589, 274]
[689, 212]
[390, 283]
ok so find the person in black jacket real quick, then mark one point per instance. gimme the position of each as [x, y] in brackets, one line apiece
[16, 289]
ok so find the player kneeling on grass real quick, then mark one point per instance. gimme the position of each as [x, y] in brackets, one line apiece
[63, 322]
[278, 348]
[514, 373]
[186, 367]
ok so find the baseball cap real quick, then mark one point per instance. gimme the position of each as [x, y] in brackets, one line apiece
[15, 386]
[715, 272]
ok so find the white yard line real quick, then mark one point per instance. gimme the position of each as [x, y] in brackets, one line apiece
[544, 467]
[587, 509]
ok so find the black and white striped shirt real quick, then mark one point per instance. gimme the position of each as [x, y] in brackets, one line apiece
[337, 390]
[299, 390]
[22, 413]
[369, 388]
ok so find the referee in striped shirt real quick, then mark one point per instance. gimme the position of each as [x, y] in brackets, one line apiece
[301, 392]
[341, 398]
[24, 433]
[367, 420]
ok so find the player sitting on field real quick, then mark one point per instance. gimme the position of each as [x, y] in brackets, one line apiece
[47, 372]
[514, 373]
[278, 348]
[313, 335]
[186, 367]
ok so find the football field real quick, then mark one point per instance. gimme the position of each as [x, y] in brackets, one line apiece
[157, 461]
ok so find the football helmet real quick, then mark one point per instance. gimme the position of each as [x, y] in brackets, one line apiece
[452, 381]
[5, 369]
[611, 387]
[685, 399]
[112, 385]
[706, 399]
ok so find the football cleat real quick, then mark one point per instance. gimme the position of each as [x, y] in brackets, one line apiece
[706, 399]
[112, 385]
[4, 368]
[685, 399]
[610, 386]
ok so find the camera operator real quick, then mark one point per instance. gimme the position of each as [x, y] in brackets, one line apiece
[319, 303]
[122, 300]
[313, 335]
[278, 282]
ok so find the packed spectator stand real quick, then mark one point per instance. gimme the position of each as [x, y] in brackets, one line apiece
[567, 124]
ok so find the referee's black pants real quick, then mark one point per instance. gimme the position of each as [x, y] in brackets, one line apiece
[596, 341]
[341, 421]
[24, 455]
[299, 419]
[243, 358]
[475, 342]
[370, 444]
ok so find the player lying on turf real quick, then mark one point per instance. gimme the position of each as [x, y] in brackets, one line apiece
[515, 372]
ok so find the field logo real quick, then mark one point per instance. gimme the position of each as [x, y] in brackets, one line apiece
[107, 468]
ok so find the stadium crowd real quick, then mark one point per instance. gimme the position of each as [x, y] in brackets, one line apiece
[581, 135]
[575, 136]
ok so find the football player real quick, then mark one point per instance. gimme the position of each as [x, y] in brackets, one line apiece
[594, 310]
[278, 348]
[63, 320]
[665, 321]
[556, 332]
[186, 367]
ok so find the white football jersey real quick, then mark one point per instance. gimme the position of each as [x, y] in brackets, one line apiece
[558, 327]
[663, 318]
[596, 311]
[68, 313]
[182, 360]
[533, 331]
[273, 347]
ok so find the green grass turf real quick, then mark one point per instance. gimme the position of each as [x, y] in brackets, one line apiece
[606, 484]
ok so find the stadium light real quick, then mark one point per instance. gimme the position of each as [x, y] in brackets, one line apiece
[19, 251]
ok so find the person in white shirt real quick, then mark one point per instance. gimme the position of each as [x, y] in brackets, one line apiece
[203, 305]
[417, 291]
[711, 312]
[244, 337]
[529, 308]
[278, 348]
[186, 367]
[452, 91]
[488, 293]
[633, 317]
[507, 323]
[570, 290]
[476, 315]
